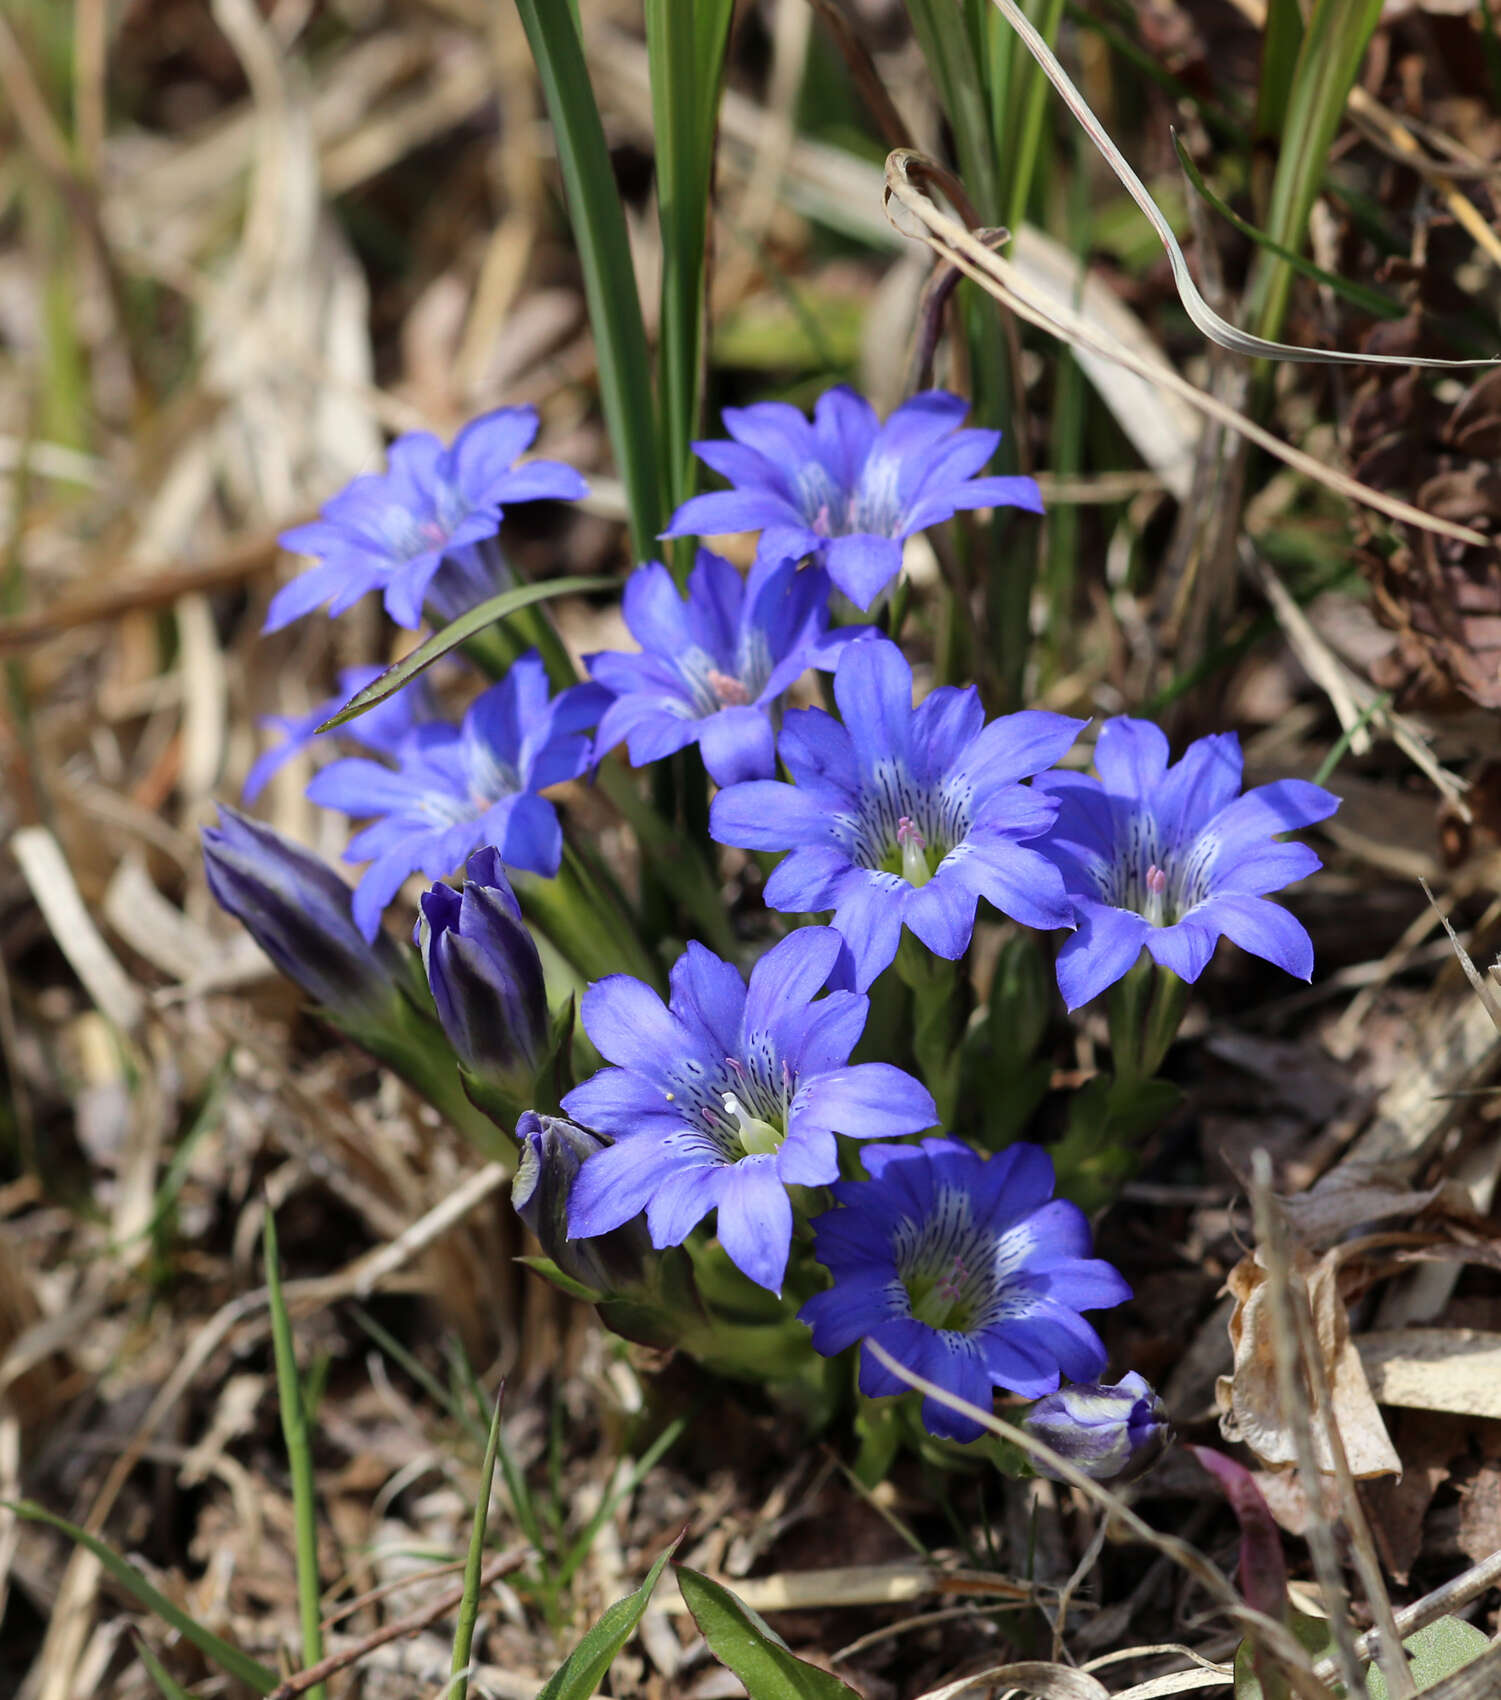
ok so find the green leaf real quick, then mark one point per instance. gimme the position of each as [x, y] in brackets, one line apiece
[1372, 301]
[605, 259]
[584, 1668]
[739, 1638]
[294, 1428]
[229, 1659]
[457, 632]
[1328, 58]
[1312, 1633]
[1432, 1654]
[685, 41]
[171, 1688]
[463, 1634]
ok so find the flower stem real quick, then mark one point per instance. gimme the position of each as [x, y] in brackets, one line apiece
[1146, 1009]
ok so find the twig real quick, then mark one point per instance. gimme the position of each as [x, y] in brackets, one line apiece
[1442, 1602]
[413, 1624]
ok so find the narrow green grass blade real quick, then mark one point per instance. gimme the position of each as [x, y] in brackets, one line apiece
[300, 1457]
[605, 259]
[463, 1633]
[1333, 46]
[419, 1373]
[171, 1688]
[228, 1658]
[739, 1639]
[1375, 706]
[686, 42]
[584, 1668]
[1281, 38]
[1368, 300]
[456, 632]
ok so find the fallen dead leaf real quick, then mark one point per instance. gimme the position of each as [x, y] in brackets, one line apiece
[1250, 1409]
[1435, 1369]
[1480, 1514]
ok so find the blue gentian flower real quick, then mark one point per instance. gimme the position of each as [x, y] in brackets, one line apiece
[551, 1151]
[379, 729]
[486, 977]
[1112, 1434]
[846, 489]
[1171, 857]
[713, 667]
[297, 909]
[964, 1268]
[729, 1095]
[904, 816]
[454, 788]
[392, 531]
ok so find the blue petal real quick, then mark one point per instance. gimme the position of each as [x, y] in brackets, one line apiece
[1016, 746]
[1263, 928]
[862, 565]
[681, 1201]
[1104, 948]
[869, 916]
[708, 998]
[789, 976]
[821, 1036]
[873, 687]
[1019, 881]
[379, 884]
[1016, 1360]
[532, 839]
[619, 1102]
[716, 595]
[737, 745]
[614, 1185]
[310, 590]
[1014, 1184]
[755, 1221]
[765, 814]
[846, 426]
[998, 492]
[1263, 868]
[654, 611]
[944, 725]
[629, 1024]
[906, 1340]
[815, 747]
[809, 1156]
[1184, 948]
[1131, 758]
[1280, 807]
[808, 881]
[956, 1364]
[866, 1101]
[942, 912]
[1198, 786]
[486, 449]
[849, 1311]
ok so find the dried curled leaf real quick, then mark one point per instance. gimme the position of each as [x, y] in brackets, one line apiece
[1250, 1408]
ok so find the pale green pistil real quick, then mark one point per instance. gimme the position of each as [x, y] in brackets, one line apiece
[914, 850]
[757, 1138]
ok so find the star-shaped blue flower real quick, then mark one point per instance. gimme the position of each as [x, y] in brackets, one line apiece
[846, 489]
[902, 816]
[1168, 858]
[964, 1268]
[455, 788]
[714, 666]
[392, 531]
[727, 1096]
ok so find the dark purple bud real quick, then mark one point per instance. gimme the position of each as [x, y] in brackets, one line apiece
[1110, 1433]
[297, 910]
[552, 1150]
[486, 977]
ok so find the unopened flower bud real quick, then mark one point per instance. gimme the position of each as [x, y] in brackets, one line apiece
[552, 1150]
[486, 978]
[1113, 1434]
[298, 911]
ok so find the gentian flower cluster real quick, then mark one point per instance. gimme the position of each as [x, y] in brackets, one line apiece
[713, 667]
[728, 1095]
[967, 1270]
[734, 1108]
[453, 789]
[393, 531]
[1169, 858]
[845, 490]
[905, 817]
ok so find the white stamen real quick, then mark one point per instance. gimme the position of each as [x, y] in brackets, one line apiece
[757, 1138]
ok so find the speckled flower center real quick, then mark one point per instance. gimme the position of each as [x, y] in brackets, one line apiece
[490, 779]
[873, 508]
[742, 1106]
[949, 1267]
[1160, 882]
[905, 828]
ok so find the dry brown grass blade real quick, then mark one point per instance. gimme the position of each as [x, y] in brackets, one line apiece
[1027, 1676]
[1273, 1636]
[1213, 325]
[962, 248]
